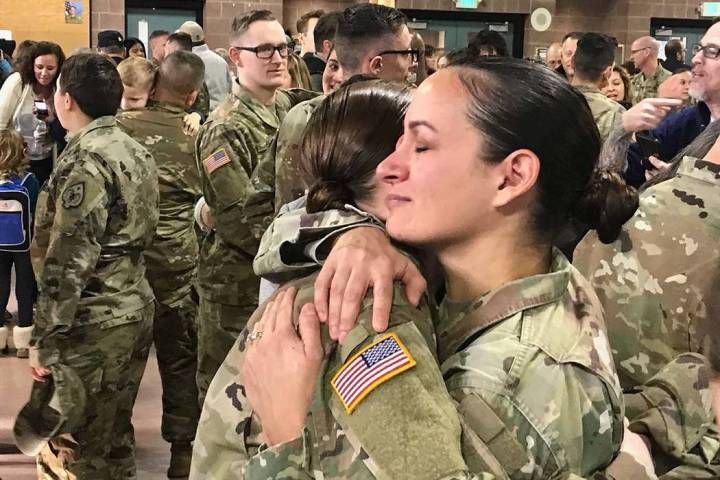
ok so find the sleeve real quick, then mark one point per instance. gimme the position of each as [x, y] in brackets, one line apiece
[33, 188]
[10, 93]
[673, 408]
[73, 251]
[296, 242]
[238, 195]
[281, 462]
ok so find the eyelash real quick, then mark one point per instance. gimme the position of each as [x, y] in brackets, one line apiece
[421, 149]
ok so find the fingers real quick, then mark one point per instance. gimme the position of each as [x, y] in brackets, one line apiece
[415, 283]
[355, 290]
[322, 289]
[382, 286]
[337, 292]
[657, 163]
[284, 322]
[309, 329]
[664, 102]
[267, 323]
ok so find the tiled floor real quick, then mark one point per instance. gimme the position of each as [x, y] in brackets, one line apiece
[152, 451]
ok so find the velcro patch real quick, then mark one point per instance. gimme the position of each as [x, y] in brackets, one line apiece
[216, 160]
[73, 196]
[372, 366]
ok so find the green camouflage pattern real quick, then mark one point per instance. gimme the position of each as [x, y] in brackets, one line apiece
[606, 112]
[171, 261]
[406, 428]
[289, 185]
[202, 101]
[658, 284]
[537, 352]
[95, 217]
[643, 88]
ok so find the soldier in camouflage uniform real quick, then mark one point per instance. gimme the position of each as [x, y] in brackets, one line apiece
[645, 84]
[543, 405]
[658, 284]
[237, 179]
[95, 218]
[173, 255]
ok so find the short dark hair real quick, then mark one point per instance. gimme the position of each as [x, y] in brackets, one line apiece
[240, 25]
[326, 28]
[672, 48]
[26, 60]
[93, 82]
[490, 40]
[573, 35]
[570, 184]
[131, 42]
[180, 73]
[360, 27]
[429, 50]
[341, 149]
[595, 52]
[158, 33]
[183, 40]
[303, 21]
[682, 69]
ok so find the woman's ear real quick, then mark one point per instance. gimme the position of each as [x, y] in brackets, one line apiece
[518, 174]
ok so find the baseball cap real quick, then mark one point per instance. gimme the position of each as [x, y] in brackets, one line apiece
[110, 38]
[194, 30]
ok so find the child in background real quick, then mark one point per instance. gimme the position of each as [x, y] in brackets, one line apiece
[138, 79]
[13, 167]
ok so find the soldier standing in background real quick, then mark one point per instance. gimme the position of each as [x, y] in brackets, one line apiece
[95, 218]
[238, 184]
[644, 52]
[173, 255]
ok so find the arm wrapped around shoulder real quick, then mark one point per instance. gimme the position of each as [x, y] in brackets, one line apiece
[608, 202]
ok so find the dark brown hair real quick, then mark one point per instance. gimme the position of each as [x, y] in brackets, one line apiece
[26, 61]
[626, 82]
[341, 149]
[302, 22]
[552, 120]
[240, 25]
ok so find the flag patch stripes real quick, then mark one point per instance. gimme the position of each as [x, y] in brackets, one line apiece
[216, 160]
[369, 368]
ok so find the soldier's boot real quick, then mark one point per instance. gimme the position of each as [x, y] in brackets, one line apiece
[4, 334]
[180, 456]
[22, 336]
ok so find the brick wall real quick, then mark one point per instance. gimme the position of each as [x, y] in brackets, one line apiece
[219, 15]
[107, 15]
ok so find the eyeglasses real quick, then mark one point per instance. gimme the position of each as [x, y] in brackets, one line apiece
[633, 52]
[267, 50]
[708, 51]
[415, 54]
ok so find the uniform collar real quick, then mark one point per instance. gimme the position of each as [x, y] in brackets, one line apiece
[267, 113]
[587, 88]
[100, 122]
[501, 303]
[701, 170]
[169, 107]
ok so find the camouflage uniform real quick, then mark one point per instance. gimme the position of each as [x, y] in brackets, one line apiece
[659, 286]
[288, 179]
[606, 112]
[237, 178]
[95, 217]
[171, 261]
[643, 87]
[202, 101]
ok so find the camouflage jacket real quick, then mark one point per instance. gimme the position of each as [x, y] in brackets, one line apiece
[536, 351]
[643, 87]
[238, 178]
[606, 112]
[202, 102]
[95, 218]
[172, 258]
[659, 286]
[289, 185]
[405, 428]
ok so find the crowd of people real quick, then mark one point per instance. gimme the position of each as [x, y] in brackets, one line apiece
[357, 259]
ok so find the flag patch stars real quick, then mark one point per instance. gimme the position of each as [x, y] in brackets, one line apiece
[216, 160]
[369, 368]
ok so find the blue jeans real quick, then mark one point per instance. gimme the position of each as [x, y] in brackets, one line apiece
[24, 285]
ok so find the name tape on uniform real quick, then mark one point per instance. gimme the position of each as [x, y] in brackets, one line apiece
[372, 366]
[216, 160]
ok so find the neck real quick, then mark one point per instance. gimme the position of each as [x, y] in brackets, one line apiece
[264, 95]
[578, 82]
[487, 263]
[77, 123]
[166, 97]
[44, 90]
[650, 68]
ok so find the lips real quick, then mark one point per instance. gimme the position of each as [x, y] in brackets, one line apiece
[393, 201]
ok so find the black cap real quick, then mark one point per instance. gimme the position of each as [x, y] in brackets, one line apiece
[7, 46]
[110, 38]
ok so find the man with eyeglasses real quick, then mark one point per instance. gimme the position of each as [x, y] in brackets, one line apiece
[644, 53]
[238, 185]
[679, 129]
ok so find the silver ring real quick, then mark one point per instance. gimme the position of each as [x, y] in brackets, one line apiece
[254, 336]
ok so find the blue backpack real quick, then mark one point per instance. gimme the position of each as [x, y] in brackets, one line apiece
[14, 215]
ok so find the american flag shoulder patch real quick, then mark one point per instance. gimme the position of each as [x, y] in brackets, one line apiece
[372, 366]
[216, 160]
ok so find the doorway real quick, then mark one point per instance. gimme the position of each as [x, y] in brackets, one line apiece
[688, 31]
[143, 17]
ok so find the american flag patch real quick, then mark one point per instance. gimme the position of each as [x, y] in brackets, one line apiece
[216, 160]
[369, 368]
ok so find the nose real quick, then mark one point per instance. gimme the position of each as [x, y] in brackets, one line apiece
[697, 58]
[393, 169]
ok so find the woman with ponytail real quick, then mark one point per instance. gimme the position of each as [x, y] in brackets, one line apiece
[659, 284]
[484, 184]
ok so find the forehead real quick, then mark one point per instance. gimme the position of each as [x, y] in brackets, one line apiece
[712, 36]
[437, 97]
[570, 43]
[263, 31]
[45, 59]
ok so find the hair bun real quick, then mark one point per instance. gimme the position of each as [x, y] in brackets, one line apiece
[608, 202]
[328, 194]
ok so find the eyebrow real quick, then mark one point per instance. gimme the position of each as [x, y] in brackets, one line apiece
[421, 123]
